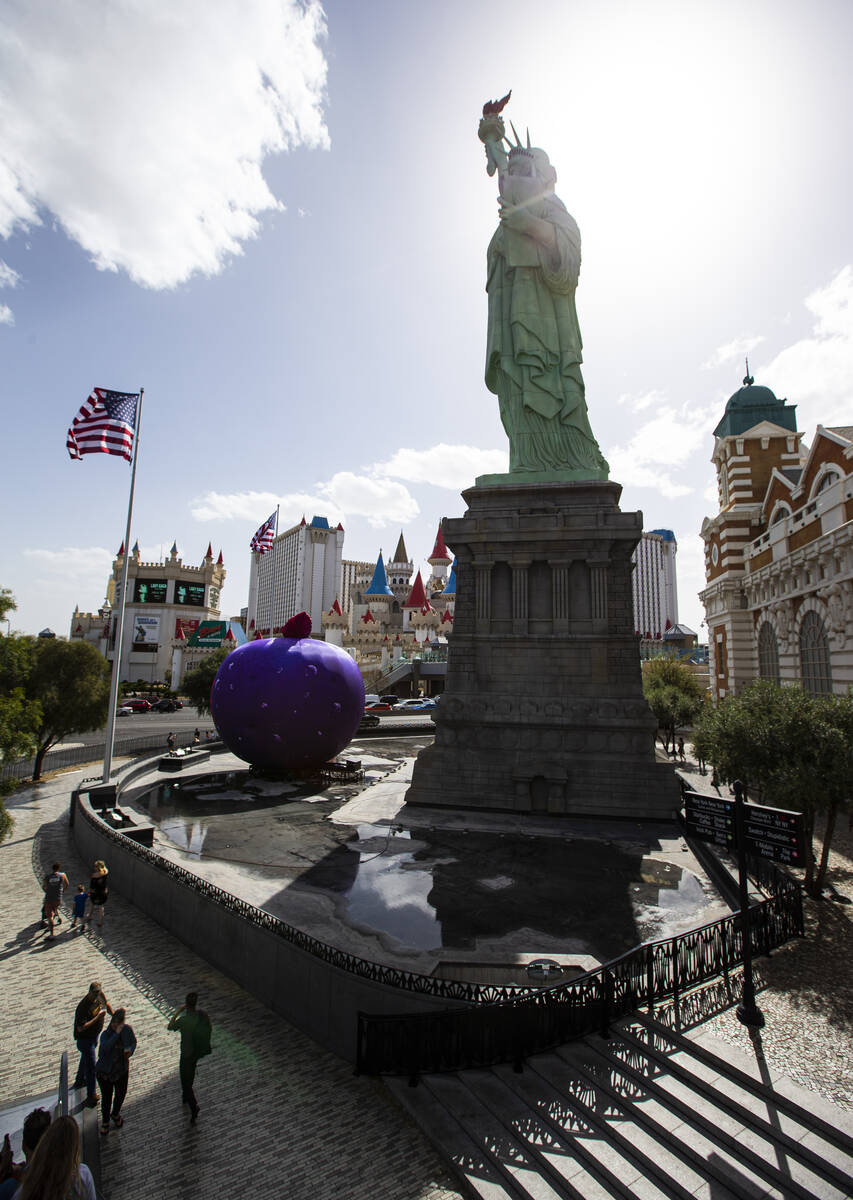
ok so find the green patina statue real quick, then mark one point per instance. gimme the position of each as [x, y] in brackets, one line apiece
[533, 354]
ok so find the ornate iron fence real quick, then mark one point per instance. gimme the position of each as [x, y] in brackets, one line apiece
[510, 1030]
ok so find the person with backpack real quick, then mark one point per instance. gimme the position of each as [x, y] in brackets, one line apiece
[195, 1029]
[54, 885]
[117, 1044]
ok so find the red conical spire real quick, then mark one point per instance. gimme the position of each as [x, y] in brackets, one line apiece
[439, 550]
[120, 551]
[417, 596]
[219, 561]
[209, 552]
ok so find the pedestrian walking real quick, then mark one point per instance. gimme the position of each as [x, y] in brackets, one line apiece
[54, 885]
[117, 1044]
[54, 1168]
[99, 891]
[195, 1029]
[196, 737]
[80, 906]
[89, 1020]
[681, 748]
[170, 742]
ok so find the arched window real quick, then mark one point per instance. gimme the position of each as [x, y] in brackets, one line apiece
[827, 481]
[814, 656]
[768, 653]
[781, 513]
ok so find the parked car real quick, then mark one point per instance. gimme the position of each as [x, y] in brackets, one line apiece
[124, 711]
[168, 705]
[420, 704]
[137, 704]
[378, 706]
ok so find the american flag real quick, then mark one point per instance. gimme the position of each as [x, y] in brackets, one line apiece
[263, 539]
[104, 425]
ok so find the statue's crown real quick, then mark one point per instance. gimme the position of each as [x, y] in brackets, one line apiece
[518, 150]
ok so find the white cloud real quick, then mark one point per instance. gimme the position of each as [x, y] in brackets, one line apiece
[643, 400]
[816, 373]
[255, 507]
[381, 501]
[738, 348]
[72, 566]
[667, 440]
[7, 317]
[142, 128]
[9, 277]
[445, 466]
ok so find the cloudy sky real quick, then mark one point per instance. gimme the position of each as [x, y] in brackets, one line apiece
[273, 216]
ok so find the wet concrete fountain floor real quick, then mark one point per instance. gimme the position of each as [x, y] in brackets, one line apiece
[404, 888]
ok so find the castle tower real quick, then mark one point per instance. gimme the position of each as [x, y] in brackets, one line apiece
[378, 595]
[399, 573]
[439, 560]
[335, 624]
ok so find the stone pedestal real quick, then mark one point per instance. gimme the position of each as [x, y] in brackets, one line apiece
[543, 710]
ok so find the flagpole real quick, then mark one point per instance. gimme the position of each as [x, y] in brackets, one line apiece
[111, 718]
[274, 573]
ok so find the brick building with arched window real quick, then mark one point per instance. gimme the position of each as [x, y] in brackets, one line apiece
[779, 553]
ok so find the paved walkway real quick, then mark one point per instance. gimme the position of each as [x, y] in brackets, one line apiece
[806, 986]
[280, 1117]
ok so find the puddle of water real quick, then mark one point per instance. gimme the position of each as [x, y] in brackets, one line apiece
[431, 888]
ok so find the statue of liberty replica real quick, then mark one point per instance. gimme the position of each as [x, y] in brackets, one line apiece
[543, 710]
[533, 348]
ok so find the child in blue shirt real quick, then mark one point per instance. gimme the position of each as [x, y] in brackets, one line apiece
[80, 905]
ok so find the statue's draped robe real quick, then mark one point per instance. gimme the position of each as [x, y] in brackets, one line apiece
[533, 353]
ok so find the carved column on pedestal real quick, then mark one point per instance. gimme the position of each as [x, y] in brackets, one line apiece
[560, 594]
[519, 594]
[483, 591]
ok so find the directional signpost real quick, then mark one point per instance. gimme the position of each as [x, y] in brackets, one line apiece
[742, 828]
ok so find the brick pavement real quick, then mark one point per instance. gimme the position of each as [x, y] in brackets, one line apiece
[806, 987]
[278, 1113]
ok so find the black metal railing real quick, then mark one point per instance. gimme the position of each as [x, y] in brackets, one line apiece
[513, 1029]
[62, 1109]
[75, 756]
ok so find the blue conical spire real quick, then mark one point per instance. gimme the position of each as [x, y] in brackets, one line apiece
[379, 582]
[450, 590]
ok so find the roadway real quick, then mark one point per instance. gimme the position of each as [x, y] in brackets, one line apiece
[162, 724]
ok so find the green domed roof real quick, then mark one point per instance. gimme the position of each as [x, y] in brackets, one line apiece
[750, 405]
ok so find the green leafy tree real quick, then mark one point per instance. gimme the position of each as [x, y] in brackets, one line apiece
[19, 716]
[7, 603]
[196, 684]
[791, 750]
[71, 682]
[674, 695]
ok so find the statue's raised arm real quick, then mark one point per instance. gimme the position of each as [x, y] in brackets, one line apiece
[533, 352]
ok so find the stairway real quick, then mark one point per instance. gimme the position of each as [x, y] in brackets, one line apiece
[648, 1113]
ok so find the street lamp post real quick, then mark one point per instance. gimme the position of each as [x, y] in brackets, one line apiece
[747, 1012]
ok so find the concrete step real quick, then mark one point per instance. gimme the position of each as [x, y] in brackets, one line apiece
[743, 1156]
[743, 1097]
[778, 1093]
[458, 1148]
[645, 1115]
[617, 1155]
